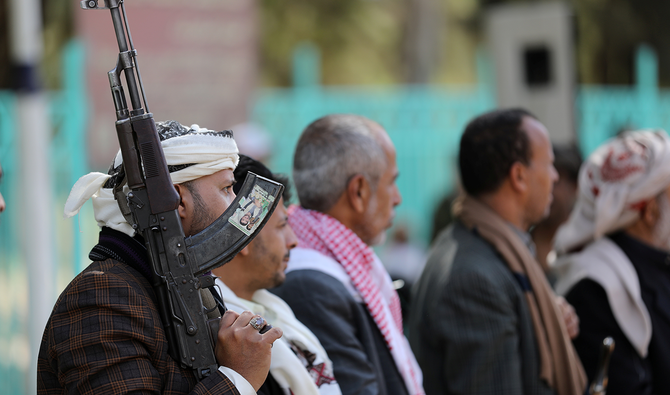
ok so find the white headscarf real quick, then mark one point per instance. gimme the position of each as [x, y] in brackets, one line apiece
[614, 183]
[194, 152]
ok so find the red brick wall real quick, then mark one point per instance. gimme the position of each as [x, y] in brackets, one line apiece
[198, 60]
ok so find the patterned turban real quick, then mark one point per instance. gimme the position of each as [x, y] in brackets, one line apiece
[190, 153]
[614, 184]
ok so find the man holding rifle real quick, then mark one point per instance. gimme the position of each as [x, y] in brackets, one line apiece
[105, 334]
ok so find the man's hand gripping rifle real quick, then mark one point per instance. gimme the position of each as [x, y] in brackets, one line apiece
[179, 263]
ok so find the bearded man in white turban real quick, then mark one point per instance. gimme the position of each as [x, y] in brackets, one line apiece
[105, 333]
[614, 261]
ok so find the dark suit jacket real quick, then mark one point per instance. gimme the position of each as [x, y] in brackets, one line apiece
[362, 363]
[105, 336]
[470, 326]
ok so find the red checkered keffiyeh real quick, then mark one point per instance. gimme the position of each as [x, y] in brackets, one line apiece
[323, 233]
[327, 235]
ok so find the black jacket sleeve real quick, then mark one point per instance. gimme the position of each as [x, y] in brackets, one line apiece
[324, 305]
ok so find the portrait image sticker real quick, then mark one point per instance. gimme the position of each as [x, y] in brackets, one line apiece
[251, 210]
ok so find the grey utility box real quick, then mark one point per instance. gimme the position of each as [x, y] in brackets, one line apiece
[532, 50]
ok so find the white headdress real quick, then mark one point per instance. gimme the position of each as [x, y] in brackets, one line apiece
[190, 153]
[614, 183]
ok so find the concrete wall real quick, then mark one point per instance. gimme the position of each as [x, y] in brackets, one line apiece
[532, 47]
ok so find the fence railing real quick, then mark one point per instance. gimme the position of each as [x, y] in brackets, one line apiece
[424, 122]
[68, 161]
[603, 111]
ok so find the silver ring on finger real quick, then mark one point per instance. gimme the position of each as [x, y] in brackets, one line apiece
[257, 323]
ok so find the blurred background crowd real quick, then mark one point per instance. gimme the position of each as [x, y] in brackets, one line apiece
[588, 69]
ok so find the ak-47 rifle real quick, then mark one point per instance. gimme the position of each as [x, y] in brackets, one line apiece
[179, 263]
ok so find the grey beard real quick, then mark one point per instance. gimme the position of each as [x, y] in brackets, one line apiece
[379, 239]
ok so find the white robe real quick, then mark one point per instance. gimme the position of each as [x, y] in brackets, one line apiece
[286, 367]
[605, 263]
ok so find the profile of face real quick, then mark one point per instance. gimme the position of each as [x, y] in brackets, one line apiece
[380, 211]
[540, 171]
[269, 252]
[564, 198]
[210, 197]
[2, 200]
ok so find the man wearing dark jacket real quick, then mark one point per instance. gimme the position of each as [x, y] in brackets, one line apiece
[105, 334]
[345, 174]
[484, 319]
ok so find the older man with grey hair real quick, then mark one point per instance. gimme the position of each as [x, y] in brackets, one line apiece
[345, 171]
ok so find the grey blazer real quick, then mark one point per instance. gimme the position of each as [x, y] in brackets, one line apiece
[470, 326]
[362, 362]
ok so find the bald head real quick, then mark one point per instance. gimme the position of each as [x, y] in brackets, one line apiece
[330, 151]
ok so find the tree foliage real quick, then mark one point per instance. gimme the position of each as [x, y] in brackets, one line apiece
[370, 41]
[358, 39]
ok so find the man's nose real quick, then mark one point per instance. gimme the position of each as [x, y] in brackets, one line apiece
[556, 175]
[397, 198]
[291, 239]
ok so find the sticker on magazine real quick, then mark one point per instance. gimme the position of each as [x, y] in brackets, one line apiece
[251, 211]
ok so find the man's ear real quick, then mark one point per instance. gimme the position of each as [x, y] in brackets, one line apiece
[518, 176]
[184, 200]
[244, 251]
[650, 213]
[358, 193]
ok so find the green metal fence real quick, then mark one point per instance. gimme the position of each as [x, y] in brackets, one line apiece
[68, 161]
[13, 342]
[425, 123]
[602, 111]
